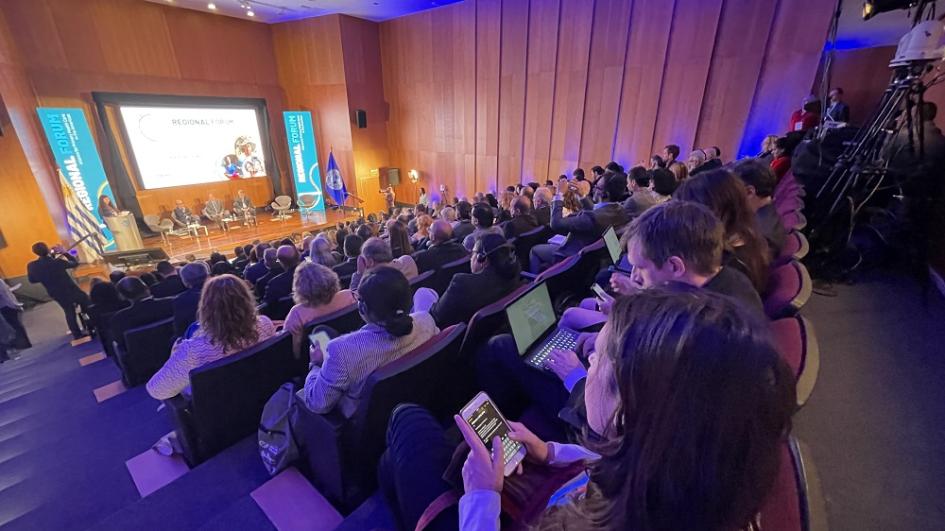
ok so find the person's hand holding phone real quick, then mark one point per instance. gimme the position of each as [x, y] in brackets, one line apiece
[622, 284]
[562, 362]
[482, 470]
[537, 449]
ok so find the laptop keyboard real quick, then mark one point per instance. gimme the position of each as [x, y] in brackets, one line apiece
[562, 340]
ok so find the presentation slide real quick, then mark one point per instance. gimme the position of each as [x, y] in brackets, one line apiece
[175, 146]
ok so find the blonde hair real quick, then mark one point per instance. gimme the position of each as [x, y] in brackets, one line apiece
[423, 225]
[227, 313]
[314, 284]
[680, 171]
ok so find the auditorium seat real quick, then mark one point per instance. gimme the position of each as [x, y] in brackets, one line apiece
[280, 310]
[561, 279]
[445, 274]
[426, 279]
[794, 220]
[146, 349]
[788, 205]
[227, 396]
[795, 339]
[347, 319]
[789, 289]
[340, 455]
[795, 247]
[525, 241]
[487, 322]
[795, 503]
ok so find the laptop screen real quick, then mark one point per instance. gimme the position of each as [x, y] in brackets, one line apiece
[613, 245]
[530, 316]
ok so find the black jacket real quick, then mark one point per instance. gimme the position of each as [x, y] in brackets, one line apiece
[468, 293]
[140, 313]
[708, 165]
[519, 225]
[280, 286]
[346, 268]
[185, 310]
[168, 287]
[254, 272]
[53, 274]
[462, 228]
[586, 226]
[543, 215]
[438, 255]
[264, 280]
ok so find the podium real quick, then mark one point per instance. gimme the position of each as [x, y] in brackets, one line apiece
[125, 230]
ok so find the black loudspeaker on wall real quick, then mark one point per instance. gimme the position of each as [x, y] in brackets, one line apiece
[360, 116]
[393, 176]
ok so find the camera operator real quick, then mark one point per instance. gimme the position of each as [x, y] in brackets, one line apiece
[51, 270]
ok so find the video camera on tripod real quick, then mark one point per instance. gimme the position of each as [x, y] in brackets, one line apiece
[870, 173]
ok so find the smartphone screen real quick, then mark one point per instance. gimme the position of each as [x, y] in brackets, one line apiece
[599, 291]
[321, 339]
[485, 419]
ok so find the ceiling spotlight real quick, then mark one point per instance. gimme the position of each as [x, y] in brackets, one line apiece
[871, 8]
[212, 6]
[250, 13]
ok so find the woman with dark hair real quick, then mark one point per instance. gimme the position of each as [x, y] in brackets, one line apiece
[656, 161]
[337, 375]
[781, 163]
[228, 323]
[105, 207]
[399, 240]
[667, 444]
[495, 273]
[725, 195]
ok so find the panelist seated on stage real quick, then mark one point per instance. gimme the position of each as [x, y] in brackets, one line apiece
[182, 215]
[243, 205]
[213, 209]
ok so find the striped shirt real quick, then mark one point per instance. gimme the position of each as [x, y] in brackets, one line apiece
[350, 359]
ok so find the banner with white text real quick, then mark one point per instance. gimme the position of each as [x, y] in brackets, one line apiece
[305, 172]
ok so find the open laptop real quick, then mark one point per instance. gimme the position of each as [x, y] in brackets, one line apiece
[613, 245]
[533, 323]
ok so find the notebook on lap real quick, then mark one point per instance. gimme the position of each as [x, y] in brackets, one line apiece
[533, 323]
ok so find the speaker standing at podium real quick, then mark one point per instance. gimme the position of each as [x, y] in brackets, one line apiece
[105, 207]
[121, 223]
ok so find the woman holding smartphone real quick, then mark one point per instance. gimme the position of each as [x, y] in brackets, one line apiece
[656, 457]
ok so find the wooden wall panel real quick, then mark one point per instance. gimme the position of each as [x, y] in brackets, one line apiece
[691, 46]
[543, 23]
[864, 74]
[513, 72]
[650, 22]
[574, 44]
[488, 44]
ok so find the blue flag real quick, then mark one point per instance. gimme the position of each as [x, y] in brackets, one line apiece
[334, 183]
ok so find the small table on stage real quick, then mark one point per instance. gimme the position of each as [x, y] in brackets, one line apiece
[194, 228]
[225, 222]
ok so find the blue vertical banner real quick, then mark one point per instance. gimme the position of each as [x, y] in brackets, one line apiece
[306, 175]
[73, 147]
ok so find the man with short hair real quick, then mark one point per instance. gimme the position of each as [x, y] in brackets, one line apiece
[583, 228]
[281, 285]
[442, 250]
[376, 252]
[759, 183]
[463, 226]
[837, 111]
[273, 269]
[171, 284]
[352, 248]
[144, 309]
[52, 271]
[240, 260]
[523, 218]
[484, 220]
[254, 272]
[193, 275]
[670, 154]
[542, 200]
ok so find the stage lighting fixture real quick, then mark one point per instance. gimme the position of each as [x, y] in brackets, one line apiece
[250, 13]
[871, 8]
[211, 6]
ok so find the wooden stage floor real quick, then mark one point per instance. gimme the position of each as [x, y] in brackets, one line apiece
[179, 247]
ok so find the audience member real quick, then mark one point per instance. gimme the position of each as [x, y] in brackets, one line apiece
[583, 228]
[543, 198]
[657, 401]
[115, 276]
[194, 276]
[442, 250]
[725, 195]
[484, 222]
[495, 273]
[170, 285]
[273, 269]
[398, 239]
[695, 161]
[320, 251]
[376, 253]
[781, 163]
[671, 154]
[656, 161]
[281, 285]
[240, 260]
[317, 292]
[105, 302]
[421, 237]
[337, 375]
[837, 111]
[808, 116]
[228, 323]
[759, 183]
[352, 249]
[257, 268]
[144, 309]
[463, 226]
[523, 218]
[641, 196]
[149, 279]
[767, 149]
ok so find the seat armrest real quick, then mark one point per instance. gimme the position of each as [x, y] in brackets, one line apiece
[179, 409]
[529, 276]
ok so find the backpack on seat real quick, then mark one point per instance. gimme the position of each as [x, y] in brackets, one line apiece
[277, 446]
